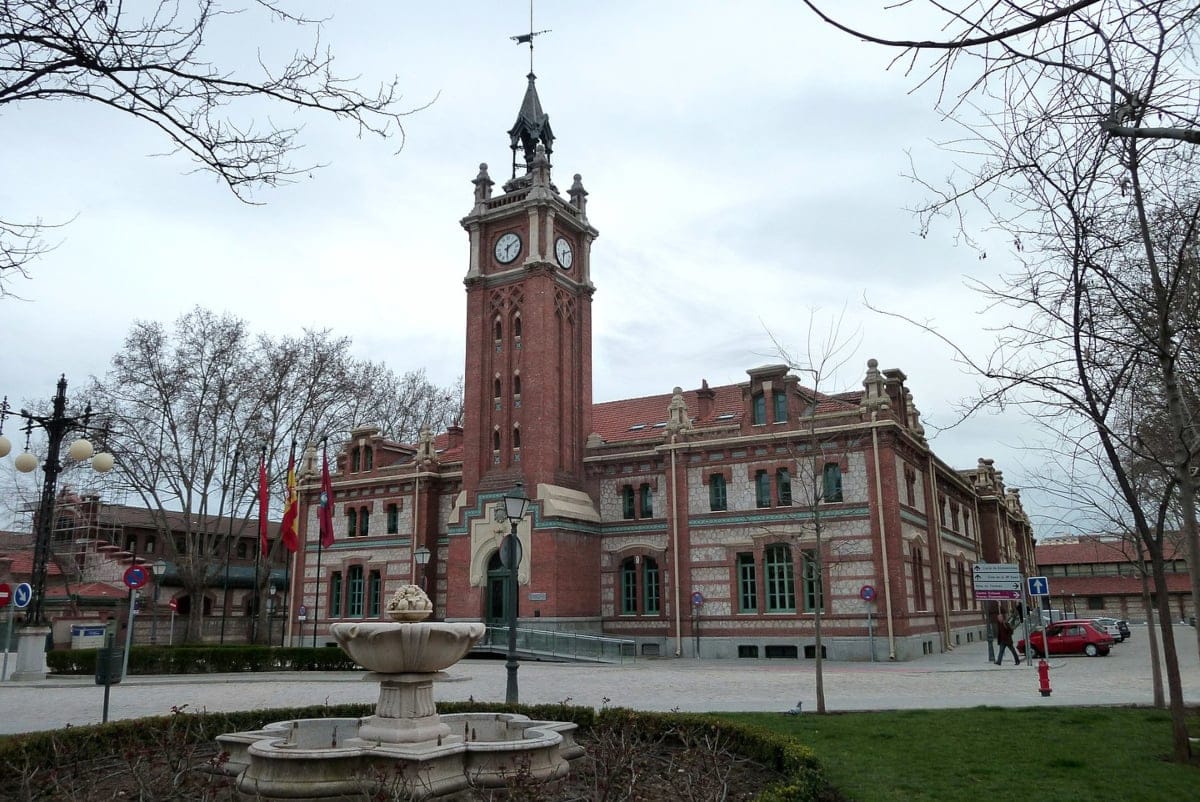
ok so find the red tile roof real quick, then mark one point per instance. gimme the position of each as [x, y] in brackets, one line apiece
[640, 418]
[1095, 550]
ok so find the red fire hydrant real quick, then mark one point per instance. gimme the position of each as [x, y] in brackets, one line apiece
[1044, 677]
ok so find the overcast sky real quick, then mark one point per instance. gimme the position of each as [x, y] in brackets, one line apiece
[745, 169]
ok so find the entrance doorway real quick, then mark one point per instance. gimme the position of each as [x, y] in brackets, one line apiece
[497, 592]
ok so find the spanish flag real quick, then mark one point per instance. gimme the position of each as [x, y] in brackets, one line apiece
[291, 509]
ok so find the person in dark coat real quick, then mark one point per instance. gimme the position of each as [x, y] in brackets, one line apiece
[1004, 635]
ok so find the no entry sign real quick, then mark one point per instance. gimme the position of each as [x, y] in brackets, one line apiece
[5, 594]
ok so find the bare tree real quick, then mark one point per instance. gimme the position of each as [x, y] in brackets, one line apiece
[154, 62]
[826, 352]
[193, 409]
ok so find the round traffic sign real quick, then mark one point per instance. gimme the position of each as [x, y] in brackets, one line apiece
[867, 593]
[5, 594]
[136, 576]
[697, 598]
[22, 595]
[173, 604]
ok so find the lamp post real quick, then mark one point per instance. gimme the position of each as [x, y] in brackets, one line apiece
[159, 569]
[57, 425]
[421, 556]
[515, 505]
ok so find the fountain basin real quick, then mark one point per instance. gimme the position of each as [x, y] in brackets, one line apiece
[308, 759]
[409, 648]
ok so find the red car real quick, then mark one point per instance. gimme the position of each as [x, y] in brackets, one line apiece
[1073, 636]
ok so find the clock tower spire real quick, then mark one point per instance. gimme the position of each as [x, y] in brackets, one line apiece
[528, 378]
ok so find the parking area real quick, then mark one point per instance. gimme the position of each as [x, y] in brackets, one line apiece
[961, 678]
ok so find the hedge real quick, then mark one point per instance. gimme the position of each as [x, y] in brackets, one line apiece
[24, 755]
[207, 659]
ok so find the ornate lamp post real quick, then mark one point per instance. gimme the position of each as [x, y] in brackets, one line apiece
[57, 425]
[159, 569]
[421, 556]
[515, 506]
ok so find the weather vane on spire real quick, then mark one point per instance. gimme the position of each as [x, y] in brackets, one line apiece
[527, 38]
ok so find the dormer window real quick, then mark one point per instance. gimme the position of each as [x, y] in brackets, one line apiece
[368, 458]
[355, 460]
[780, 407]
[758, 409]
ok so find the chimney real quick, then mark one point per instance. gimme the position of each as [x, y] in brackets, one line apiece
[704, 401]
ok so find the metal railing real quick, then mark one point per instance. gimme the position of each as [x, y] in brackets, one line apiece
[561, 645]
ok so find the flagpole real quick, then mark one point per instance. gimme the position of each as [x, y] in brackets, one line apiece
[229, 543]
[323, 519]
[258, 554]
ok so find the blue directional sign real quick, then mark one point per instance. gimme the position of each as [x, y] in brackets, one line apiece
[22, 595]
[1039, 586]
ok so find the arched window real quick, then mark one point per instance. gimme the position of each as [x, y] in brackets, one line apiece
[355, 460]
[364, 518]
[641, 591]
[499, 330]
[368, 458]
[781, 581]
[627, 506]
[517, 385]
[351, 522]
[496, 388]
[516, 437]
[517, 326]
[496, 440]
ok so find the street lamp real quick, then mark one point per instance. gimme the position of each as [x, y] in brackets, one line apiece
[421, 555]
[159, 569]
[57, 425]
[515, 505]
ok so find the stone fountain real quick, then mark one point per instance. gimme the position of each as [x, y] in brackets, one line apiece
[406, 748]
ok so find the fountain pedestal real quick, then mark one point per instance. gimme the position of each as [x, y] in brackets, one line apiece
[406, 750]
[405, 712]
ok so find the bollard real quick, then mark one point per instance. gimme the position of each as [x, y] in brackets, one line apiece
[1043, 677]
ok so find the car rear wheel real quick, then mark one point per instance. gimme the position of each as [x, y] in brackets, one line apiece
[1090, 650]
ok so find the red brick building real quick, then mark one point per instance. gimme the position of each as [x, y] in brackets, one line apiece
[1095, 576]
[718, 519]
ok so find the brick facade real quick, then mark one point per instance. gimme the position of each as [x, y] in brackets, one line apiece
[718, 519]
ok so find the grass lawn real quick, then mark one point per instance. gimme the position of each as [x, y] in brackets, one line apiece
[989, 754]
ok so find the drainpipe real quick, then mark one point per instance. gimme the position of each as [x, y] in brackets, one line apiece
[412, 544]
[883, 547]
[941, 560]
[675, 554]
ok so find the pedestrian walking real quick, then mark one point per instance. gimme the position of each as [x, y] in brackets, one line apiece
[1004, 635]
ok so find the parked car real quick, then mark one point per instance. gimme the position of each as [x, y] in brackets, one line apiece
[1122, 627]
[1076, 636]
[1109, 625]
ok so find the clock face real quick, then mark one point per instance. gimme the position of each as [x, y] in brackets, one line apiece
[508, 248]
[562, 252]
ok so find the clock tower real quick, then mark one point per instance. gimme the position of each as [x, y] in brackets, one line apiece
[528, 378]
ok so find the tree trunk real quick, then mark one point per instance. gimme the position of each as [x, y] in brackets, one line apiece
[1151, 637]
[1182, 748]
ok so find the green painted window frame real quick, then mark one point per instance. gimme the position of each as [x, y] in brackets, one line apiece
[335, 594]
[780, 404]
[393, 519]
[783, 487]
[762, 489]
[758, 409]
[351, 522]
[629, 587]
[354, 591]
[832, 480]
[374, 594]
[747, 573]
[646, 501]
[812, 583]
[780, 579]
[364, 521]
[627, 503]
[718, 499]
[651, 586]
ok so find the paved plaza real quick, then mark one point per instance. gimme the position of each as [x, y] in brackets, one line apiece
[961, 678]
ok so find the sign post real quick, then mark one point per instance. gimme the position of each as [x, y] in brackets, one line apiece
[6, 601]
[135, 577]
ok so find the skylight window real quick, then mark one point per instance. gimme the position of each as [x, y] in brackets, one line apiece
[637, 427]
[660, 425]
